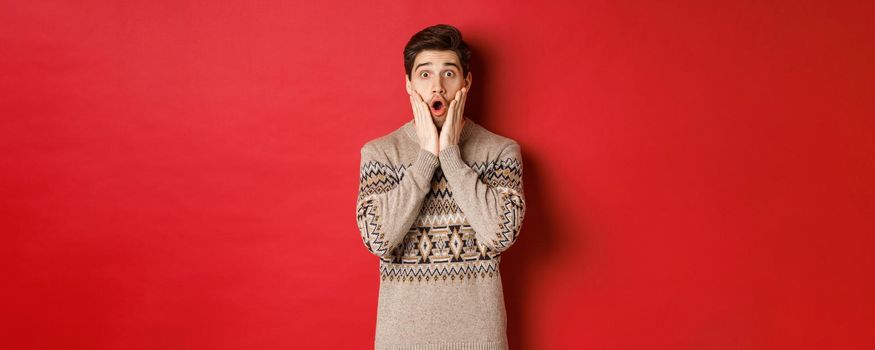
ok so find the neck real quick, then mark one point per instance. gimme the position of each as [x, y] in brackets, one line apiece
[466, 129]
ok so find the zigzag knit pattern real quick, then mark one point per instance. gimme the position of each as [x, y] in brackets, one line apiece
[441, 245]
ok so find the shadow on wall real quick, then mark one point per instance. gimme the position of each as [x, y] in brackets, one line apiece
[539, 246]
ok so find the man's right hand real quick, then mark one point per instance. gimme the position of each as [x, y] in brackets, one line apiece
[426, 131]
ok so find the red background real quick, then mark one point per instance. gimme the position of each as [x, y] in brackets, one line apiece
[183, 175]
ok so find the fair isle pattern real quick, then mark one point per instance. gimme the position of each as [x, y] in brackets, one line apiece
[505, 175]
[441, 232]
[509, 229]
[441, 245]
[368, 219]
[375, 178]
[447, 272]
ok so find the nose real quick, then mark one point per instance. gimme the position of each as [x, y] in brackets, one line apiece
[438, 87]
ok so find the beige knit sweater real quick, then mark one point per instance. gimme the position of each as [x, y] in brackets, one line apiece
[438, 225]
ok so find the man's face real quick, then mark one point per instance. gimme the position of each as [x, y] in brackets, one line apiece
[437, 76]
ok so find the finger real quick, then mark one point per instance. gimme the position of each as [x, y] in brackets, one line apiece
[453, 112]
[459, 106]
[462, 104]
[426, 117]
[464, 98]
[413, 107]
[459, 110]
[420, 113]
[423, 109]
[420, 103]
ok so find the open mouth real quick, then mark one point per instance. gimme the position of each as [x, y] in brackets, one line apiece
[437, 107]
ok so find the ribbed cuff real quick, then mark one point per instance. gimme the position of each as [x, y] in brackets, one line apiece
[496, 345]
[451, 158]
[424, 165]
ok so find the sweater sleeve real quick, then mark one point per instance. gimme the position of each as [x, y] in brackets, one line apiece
[493, 201]
[389, 200]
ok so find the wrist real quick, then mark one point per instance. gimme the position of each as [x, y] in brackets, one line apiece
[451, 158]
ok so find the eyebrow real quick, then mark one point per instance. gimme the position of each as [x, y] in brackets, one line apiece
[445, 63]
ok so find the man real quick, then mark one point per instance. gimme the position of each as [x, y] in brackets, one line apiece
[440, 198]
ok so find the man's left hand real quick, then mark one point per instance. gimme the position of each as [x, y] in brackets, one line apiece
[451, 131]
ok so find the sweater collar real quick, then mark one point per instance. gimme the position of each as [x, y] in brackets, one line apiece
[467, 130]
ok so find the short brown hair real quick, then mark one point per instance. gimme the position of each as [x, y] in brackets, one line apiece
[437, 37]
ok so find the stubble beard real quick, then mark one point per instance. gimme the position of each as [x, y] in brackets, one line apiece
[438, 121]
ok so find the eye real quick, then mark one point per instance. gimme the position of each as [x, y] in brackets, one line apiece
[423, 74]
[449, 73]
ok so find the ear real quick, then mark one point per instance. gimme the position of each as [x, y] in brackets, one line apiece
[407, 84]
[468, 80]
